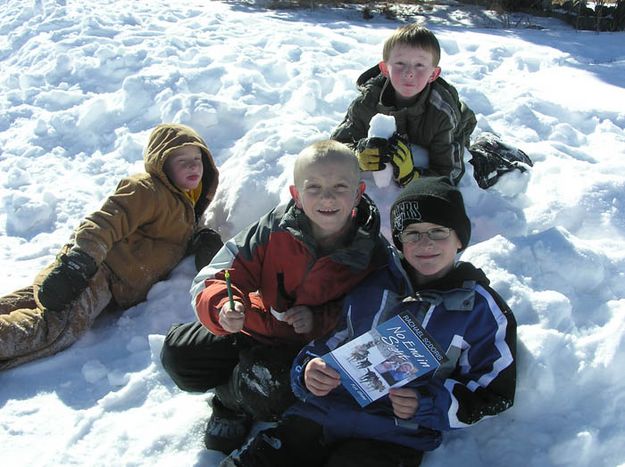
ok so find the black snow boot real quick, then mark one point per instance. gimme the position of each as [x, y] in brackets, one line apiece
[226, 429]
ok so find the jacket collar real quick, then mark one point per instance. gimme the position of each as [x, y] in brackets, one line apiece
[455, 291]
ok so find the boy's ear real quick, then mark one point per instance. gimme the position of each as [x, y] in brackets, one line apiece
[295, 195]
[435, 74]
[383, 68]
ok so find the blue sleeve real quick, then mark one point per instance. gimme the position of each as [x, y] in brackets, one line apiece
[374, 296]
[316, 348]
[483, 381]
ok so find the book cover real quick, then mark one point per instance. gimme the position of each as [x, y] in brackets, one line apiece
[389, 356]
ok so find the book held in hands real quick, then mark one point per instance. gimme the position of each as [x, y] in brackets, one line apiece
[389, 356]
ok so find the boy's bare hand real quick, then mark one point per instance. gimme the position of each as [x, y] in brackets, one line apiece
[405, 402]
[300, 317]
[232, 320]
[320, 378]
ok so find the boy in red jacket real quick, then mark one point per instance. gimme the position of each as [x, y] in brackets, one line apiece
[289, 272]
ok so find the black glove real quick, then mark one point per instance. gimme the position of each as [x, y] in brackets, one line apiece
[372, 153]
[67, 280]
[401, 159]
[204, 245]
[492, 158]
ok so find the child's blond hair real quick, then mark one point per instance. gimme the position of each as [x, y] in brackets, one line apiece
[413, 35]
[323, 151]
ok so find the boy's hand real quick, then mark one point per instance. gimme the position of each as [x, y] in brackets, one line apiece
[232, 320]
[67, 280]
[371, 154]
[401, 159]
[300, 317]
[405, 402]
[320, 378]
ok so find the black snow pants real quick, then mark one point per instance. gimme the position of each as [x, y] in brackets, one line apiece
[247, 376]
[300, 441]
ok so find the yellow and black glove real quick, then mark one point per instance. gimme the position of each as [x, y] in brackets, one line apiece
[400, 158]
[372, 153]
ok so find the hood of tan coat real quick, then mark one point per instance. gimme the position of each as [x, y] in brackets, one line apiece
[167, 137]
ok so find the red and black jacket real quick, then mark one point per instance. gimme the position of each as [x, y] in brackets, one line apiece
[274, 266]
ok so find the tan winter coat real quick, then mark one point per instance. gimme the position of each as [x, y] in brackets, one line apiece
[136, 238]
[142, 231]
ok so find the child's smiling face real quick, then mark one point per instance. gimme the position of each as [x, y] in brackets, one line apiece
[431, 259]
[327, 193]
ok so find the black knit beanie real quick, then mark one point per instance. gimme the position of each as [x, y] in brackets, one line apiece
[434, 200]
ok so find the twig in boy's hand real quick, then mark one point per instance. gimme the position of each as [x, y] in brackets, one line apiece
[229, 289]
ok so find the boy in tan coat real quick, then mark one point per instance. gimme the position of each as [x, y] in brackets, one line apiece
[116, 254]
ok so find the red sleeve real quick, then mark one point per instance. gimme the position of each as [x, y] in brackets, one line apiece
[243, 256]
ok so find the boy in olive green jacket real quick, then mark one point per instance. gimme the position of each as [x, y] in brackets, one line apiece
[407, 85]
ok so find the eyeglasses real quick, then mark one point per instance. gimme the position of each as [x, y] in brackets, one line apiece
[412, 236]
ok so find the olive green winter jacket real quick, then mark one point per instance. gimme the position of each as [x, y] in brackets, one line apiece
[438, 121]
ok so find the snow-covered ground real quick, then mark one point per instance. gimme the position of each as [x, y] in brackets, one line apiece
[83, 83]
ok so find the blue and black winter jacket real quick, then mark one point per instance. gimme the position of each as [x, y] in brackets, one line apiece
[470, 322]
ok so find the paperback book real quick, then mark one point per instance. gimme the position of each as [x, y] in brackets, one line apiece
[389, 356]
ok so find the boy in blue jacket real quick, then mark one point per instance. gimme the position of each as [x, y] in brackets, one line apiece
[453, 302]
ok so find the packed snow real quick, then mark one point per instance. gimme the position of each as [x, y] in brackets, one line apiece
[83, 83]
